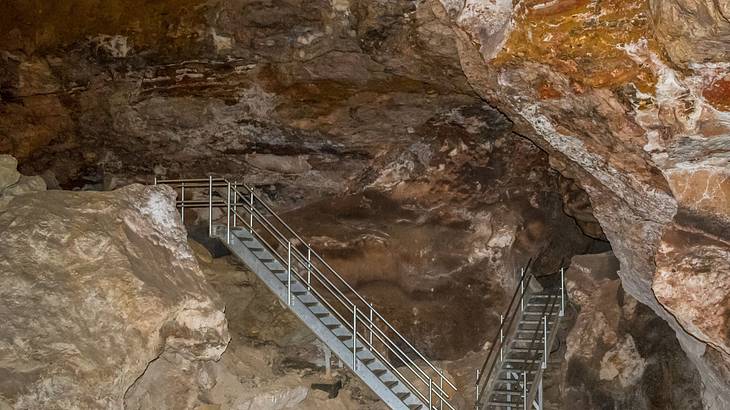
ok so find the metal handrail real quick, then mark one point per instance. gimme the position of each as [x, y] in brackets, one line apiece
[337, 275]
[309, 264]
[541, 358]
[423, 376]
[498, 341]
[538, 375]
[338, 293]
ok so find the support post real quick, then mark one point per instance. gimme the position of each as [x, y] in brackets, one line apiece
[562, 292]
[182, 203]
[524, 391]
[155, 179]
[441, 388]
[544, 342]
[370, 339]
[210, 206]
[477, 389]
[539, 396]
[501, 339]
[354, 337]
[235, 203]
[430, 390]
[250, 220]
[309, 267]
[288, 272]
[522, 289]
[228, 213]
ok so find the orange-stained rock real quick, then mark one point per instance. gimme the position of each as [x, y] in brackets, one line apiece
[580, 38]
[546, 92]
[691, 280]
[640, 126]
[718, 94]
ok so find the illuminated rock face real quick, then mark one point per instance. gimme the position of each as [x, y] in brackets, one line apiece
[95, 287]
[619, 354]
[637, 115]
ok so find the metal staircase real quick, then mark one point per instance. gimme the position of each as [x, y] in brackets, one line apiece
[319, 296]
[511, 376]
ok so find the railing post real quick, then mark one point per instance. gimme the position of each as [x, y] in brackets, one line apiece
[250, 220]
[501, 338]
[539, 395]
[522, 289]
[155, 179]
[228, 213]
[544, 340]
[288, 272]
[430, 390]
[309, 266]
[235, 202]
[524, 391]
[562, 292]
[370, 339]
[441, 388]
[182, 202]
[210, 206]
[477, 389]
[354, 337]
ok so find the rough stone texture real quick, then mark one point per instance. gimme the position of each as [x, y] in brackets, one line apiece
[12, 183]
[629, 99]
[94, 287]
[636, 114]
[618, 354]
[9, 174]
[447, 223]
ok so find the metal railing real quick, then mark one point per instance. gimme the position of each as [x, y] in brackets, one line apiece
[369, 328]
[509, 322]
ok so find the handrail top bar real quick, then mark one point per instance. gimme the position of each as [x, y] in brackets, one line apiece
[508, 320]
[219, 182]
[302, 259]
[177, 181]
[349, 287]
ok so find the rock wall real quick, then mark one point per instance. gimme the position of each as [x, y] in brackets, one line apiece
[94, 288]
[628, 98]
[618, 353]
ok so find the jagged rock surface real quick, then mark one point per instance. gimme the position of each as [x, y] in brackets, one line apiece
[637, 114]
[94, 287]
[618, 353]
[630, 99]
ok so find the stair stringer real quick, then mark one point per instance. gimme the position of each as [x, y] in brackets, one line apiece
[320, 330]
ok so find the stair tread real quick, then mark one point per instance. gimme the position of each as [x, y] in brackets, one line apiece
[270, 264]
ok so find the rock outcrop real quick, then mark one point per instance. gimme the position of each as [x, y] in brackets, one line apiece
[94, 288]
[619, 354]
[629, 99]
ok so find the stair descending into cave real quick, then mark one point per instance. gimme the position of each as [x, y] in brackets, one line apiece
[513, 371]
[319, 296]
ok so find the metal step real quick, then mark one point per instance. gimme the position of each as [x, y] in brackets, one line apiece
[317, 316]
[513, 404]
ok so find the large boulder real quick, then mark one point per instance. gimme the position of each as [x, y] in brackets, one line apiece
[93, 288]
[618, 353]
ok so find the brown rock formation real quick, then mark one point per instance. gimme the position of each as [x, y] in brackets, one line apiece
[619, 354]
[601, 89]
[628, 98]
[94, 287]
